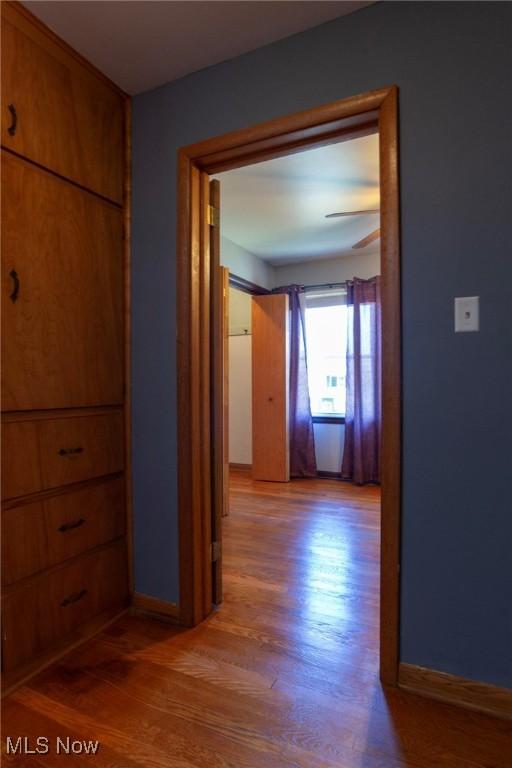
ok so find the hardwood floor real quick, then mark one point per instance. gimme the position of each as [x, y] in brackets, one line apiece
[283, 675]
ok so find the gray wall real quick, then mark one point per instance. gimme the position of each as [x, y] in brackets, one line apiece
[452, 65]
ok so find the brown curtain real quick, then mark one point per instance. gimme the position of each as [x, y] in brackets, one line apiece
[361, 453]
[302, 439]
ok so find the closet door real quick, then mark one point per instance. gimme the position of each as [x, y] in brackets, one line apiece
[62, 293]
[270, 444]
[56, 112]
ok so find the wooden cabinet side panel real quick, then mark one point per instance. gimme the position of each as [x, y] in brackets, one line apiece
[270, 450]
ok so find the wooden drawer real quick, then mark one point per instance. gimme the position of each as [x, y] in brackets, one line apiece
[80, 448]
[50, 606]
[62, 260]
[42, 534]
[48, 453]
[67, 119]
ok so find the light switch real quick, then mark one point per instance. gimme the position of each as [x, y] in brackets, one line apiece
[467, 313]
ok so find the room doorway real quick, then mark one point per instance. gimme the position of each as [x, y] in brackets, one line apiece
[198, 326]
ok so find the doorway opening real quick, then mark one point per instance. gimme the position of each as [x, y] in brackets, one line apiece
[203, 339]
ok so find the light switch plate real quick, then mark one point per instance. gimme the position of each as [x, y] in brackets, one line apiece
[467, 315]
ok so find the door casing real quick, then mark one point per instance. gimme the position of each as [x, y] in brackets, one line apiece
[341, 120]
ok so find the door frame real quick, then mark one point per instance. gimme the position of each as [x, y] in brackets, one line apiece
[345, 119]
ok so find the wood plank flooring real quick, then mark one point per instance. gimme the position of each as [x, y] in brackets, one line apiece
[282, 675]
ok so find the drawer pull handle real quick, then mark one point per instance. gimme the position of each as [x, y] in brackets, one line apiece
[14, 120]
[16, 285]
[69, 526]
[73, 598]
[71, 451]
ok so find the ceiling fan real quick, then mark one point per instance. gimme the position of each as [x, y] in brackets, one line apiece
[370, 237]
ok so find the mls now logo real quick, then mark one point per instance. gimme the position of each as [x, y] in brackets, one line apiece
[41, 746]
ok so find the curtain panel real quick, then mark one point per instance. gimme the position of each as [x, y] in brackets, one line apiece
[361, 453]
[302, 438]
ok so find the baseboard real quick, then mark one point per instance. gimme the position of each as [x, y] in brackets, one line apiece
[327, 474]
[233, 465]
[452, 689]
[86, 631]
[153, 606]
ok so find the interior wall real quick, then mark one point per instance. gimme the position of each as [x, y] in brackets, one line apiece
[244, 264]
[452, 68]
[364, 265]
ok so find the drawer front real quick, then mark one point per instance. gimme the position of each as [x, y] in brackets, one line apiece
[61, 116]
[77, 449]
[47, 609]
[21, 470]
[42, 534]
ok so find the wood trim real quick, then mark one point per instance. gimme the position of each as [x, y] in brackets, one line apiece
[49, 493]
[341, 120]
[328, 475]
[391, 450]
[241, 284]
[155, 607]
[236, 465]
[127, 230]
[13, 680]
[59, 413]
[452, 689]
[36, 29]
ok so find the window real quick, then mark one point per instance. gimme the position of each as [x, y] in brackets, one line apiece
[326, 352]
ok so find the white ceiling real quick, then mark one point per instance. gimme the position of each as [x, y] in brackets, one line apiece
[276, 209]
[141, 45]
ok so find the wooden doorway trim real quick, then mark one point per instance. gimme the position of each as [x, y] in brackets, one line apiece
[356, 116]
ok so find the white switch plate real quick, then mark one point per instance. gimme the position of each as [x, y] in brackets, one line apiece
[467, 315]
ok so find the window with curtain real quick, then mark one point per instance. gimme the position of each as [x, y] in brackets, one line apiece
[326, 343]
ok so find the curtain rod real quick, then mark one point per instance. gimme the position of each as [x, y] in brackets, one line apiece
[324, 285]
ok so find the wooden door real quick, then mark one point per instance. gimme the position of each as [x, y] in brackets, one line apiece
[56, 112]
[62, 293]
[270, 444]
[220, 373]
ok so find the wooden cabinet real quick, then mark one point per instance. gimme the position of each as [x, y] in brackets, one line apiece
[65, 372]
[41, 534]
[51, 452]
[270, 441]
[56, 112]
[38, 614]
[62, 292]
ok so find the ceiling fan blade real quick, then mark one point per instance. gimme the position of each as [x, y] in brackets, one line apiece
[368, 239]
[350, 213]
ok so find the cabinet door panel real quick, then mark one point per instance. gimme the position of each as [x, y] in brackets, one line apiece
[62, 293]
[67, 119]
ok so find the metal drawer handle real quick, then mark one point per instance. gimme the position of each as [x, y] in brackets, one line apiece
[14, 120]
[16, 286]
[71, 451]
[73, 598]
[69, 526]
